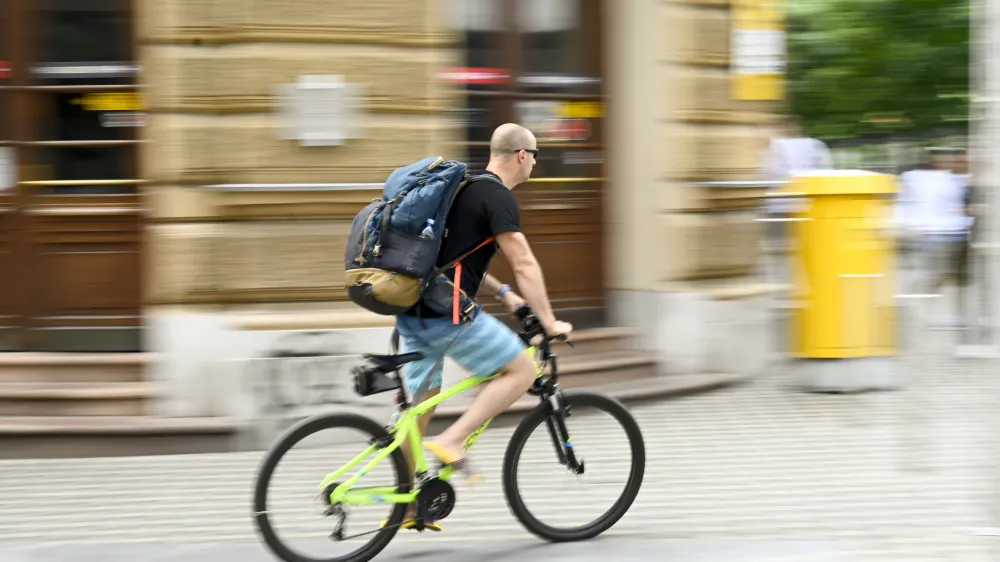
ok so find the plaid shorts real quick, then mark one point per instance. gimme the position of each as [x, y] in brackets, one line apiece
[482, 347]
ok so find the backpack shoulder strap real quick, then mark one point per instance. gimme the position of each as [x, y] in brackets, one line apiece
[477, 177]
[459, 259]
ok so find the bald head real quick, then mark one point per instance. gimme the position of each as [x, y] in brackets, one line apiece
[512, 154]
[508, 139]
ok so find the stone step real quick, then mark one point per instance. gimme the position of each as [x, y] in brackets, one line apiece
[588, 371]
[19, 367]
[637, 390]
[601, 368]
[74, 398]
[594, 341]
[112, 436]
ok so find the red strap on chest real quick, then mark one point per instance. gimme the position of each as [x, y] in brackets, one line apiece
[456, 299]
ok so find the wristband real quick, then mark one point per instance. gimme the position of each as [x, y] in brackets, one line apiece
[503, 291]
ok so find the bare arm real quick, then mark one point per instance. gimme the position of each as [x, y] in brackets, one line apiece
[528, 273]
[510, 299]
[491, 284]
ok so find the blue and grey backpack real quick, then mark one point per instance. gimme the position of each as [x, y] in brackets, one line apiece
[392, 251]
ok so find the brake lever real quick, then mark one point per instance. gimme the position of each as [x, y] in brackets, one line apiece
[562, 338]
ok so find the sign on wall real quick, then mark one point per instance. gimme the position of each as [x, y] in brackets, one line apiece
[8, 167]
[559, 121]
[116, 109]
[320, 110]
[758, 54]
[478, 76]
[109, 101]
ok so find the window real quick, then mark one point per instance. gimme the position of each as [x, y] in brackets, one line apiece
[85, 130]
[560, 86]
[556, 40]
[481, 24]
[90, 31]
[536, 62]
[482, 74]
[88, 136]
[84, 41]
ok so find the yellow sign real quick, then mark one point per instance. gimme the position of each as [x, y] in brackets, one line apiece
[580, 110]
[758, 58]
[118, 101]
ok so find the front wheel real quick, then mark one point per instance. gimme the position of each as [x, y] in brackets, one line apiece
[560, 441]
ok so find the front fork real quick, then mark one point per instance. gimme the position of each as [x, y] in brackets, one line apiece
[556, 423]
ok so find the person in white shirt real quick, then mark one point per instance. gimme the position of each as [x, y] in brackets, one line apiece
[932, 212]
[789, 151]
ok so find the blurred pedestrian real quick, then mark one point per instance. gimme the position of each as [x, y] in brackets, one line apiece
[790, 151]
[934, 220]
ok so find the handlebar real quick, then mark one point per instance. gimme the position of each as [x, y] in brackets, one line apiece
[532, 327]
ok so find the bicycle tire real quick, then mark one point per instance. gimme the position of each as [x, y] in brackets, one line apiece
[512, 457]
[292, 436]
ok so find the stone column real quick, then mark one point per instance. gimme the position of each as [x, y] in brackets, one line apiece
[683, 258]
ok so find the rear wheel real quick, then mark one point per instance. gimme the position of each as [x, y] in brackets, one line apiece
[547, 421]
[369, 544]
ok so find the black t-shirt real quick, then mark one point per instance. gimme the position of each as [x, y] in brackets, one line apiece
[483, 208]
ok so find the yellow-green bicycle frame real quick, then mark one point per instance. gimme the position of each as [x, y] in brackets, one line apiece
[405, 427]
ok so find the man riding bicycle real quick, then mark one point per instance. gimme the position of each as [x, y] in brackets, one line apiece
[483, 209]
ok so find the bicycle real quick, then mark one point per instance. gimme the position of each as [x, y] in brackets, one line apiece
[434, 496]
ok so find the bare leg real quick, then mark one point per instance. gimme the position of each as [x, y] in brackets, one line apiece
[495, 397]
[422, 422]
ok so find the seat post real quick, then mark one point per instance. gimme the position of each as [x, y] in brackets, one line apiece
[401, 400]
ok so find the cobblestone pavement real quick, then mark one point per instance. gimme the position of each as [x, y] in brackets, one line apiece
[760, 468]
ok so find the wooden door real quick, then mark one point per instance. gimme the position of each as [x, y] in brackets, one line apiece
[8, 312]
[72, 229]
[539, 64]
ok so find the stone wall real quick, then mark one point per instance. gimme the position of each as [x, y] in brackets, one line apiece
[684, 259]
[678, 94]
[708, 136]
[213, 69]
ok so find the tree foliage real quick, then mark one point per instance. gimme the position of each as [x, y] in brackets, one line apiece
[863, 67]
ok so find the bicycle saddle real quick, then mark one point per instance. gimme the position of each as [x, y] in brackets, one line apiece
[392, 362]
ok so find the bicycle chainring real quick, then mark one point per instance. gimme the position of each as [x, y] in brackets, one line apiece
[436, 500]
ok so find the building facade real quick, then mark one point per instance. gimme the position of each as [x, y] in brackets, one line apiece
[152, 200]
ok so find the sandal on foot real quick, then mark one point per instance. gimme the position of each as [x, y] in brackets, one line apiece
[446, 455]
[459, 462]
[411, 523]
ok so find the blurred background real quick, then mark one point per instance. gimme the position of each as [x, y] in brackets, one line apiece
[771, 223]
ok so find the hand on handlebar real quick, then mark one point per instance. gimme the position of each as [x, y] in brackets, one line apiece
[532, 326]
[560, 330]
[514, 303]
